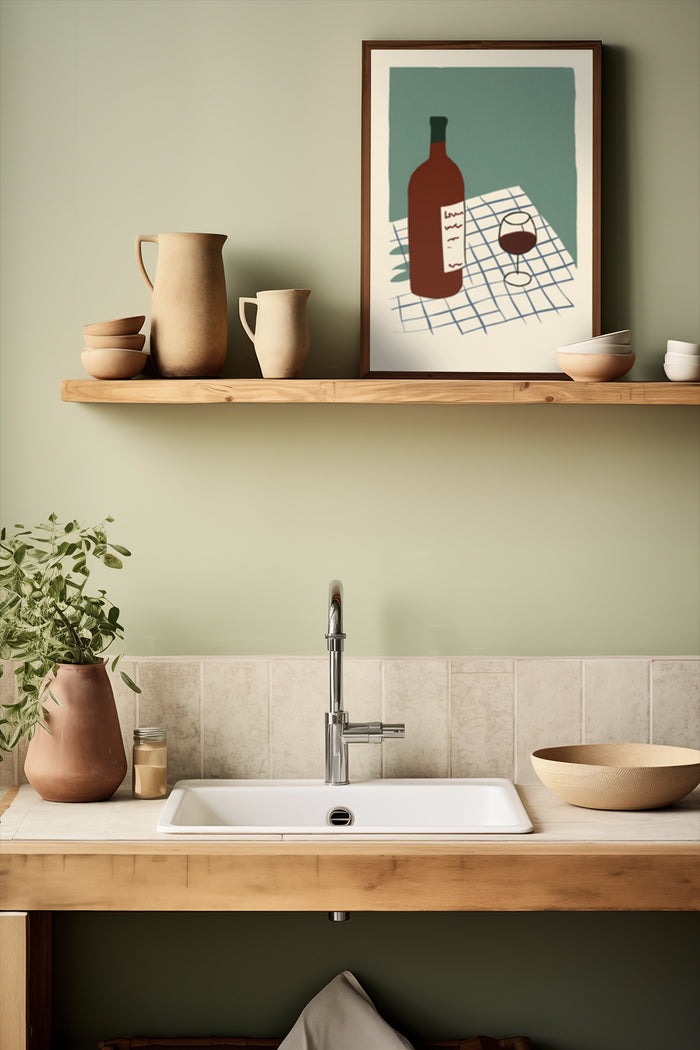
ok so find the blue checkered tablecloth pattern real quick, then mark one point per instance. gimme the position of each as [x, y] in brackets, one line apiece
[485, 299]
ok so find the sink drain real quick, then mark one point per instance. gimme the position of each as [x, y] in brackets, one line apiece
[340, 817]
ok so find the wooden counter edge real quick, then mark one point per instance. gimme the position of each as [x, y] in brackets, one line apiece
[384, 847]
[364, 877]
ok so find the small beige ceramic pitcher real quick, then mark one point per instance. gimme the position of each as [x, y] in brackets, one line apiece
[281, 337]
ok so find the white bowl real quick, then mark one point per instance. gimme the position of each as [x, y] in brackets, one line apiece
[682, 358]
[612, 337]
[589, 346]
[113, 363]
[682, 368]
[677, 346]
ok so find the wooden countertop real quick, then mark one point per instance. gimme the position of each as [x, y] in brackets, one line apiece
[108, 857]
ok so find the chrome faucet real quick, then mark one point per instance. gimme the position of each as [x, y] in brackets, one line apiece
[339, 731]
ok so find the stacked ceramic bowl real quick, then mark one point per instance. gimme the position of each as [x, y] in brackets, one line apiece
[599, 359]
[682, 361]
[114, 349]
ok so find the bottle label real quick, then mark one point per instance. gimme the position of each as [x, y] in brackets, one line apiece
[452, 223]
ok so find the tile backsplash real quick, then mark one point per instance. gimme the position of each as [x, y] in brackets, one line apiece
[251, 717]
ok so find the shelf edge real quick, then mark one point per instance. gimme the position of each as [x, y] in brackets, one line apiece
[375, 391]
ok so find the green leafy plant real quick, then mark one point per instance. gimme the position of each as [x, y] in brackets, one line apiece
[46, 616]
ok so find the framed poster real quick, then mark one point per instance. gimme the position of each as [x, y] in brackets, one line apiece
[480, 206]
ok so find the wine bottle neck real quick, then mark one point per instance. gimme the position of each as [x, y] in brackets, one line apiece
[438, 149]
[438, 131]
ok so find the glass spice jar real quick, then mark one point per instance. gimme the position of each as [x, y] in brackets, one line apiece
[150, 763]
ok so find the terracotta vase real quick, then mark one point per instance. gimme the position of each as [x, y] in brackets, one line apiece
[281, 336]
[82, 759]
[189, 316]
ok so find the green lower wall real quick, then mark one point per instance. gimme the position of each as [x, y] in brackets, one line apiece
[569, 981]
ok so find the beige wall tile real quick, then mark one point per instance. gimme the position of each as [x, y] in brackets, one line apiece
[482, 713]
[127, 704]
[236, 718]
[298, 700]
[616, 701]
[416, 692]
[480, 665]
[548, 709]
[8, 694]
[8, 769]
[265, 717]
[170, 697]
[675, 691]
[362, 694]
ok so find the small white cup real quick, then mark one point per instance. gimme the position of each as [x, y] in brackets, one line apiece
[682, 368]
[677, 346]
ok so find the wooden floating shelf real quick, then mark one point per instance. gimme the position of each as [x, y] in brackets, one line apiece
[376, 391]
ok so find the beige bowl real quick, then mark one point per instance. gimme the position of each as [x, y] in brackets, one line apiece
[115, 342]
[113, 364]
[618, 776]
[120, 326]
[595, 368]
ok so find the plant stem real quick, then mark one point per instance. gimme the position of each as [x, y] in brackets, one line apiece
[72, 630]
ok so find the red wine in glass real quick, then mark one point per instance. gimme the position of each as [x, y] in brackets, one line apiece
[516, 235]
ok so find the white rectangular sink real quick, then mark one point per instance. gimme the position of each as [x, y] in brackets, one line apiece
[371, 807]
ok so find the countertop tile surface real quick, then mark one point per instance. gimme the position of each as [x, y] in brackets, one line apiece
[124, 819]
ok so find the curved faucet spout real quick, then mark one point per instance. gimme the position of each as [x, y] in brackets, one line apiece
[335, 636]
[335, 639]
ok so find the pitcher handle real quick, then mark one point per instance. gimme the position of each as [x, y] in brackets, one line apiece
[139, 258]
[241, 313]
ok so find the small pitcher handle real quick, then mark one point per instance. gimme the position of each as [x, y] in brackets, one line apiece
[241, 313]
[139, 258]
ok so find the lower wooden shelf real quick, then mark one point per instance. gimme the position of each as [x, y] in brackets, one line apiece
[376, 391]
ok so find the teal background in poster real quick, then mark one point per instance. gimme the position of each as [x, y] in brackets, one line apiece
[505, 127]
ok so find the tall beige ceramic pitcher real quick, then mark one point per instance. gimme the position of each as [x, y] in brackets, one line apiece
[189, 322]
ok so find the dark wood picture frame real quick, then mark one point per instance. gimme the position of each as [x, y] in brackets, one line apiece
[387, 314]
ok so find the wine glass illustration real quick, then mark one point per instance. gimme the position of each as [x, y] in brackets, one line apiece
[516, 235]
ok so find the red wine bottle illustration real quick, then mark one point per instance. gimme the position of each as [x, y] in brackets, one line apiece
[436, 221]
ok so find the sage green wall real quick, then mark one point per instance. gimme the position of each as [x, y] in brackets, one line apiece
[456, 530]
[545, 530]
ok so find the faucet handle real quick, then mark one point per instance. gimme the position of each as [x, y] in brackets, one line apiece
[393, 731]
[372, 732]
